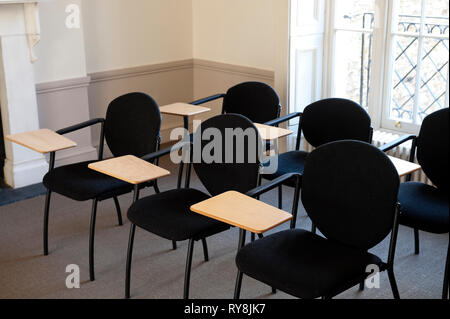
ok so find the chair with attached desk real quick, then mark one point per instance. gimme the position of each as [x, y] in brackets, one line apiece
[322, 122]
[426, 207]
[131, 126]
[349, 190]
[168, 215]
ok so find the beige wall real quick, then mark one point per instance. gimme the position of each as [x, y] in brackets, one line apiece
[245, 33]
[174, 50]
[61, 78]
[118, 34]
[60, 52]
[114, 34]
[127, 33]
[238, 32]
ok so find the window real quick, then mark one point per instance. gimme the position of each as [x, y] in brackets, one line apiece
[391, 56]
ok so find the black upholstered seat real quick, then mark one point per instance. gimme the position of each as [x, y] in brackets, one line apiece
[287, 163]
[321, 122]
[81, 183]
[424, 206]
[168, 215]
[304, 264]
[349, 190]
[131, 127]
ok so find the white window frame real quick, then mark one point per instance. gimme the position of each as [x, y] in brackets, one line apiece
[380, 81]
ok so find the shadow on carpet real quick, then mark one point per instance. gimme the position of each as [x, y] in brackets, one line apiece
[9, 195]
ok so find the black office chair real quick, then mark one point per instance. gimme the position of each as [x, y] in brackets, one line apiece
[131, 127]
[321, 122]
[255, 100]
[425, 207]
[349, 190]
[168, 215]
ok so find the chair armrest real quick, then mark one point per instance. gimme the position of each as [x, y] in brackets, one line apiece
[80, 126]
[255, 192]
[208, 99]
[155, 155]
[402, 139]
[283, 119]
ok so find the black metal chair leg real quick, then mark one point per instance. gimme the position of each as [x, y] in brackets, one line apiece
[361, 286]
[274, 291]
[253, 237]
[91, 240]
[416, 242]
[46, 213]
[280, 197]
[260, 236]
[205, 249]
[237, 288]
[259, 184]
[129, 258]
[119, 212]
[313, 228]
[156, 187]
[393, 284]
[174, 245]
[187, 274]
[180, 176]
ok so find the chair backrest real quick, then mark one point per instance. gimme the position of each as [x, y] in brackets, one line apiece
[222, 173]
[132, 125]
[335, 119]
[255, 100]
[349, 190]
[433, 148]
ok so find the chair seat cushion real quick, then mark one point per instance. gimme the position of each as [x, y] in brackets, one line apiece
[81, 183]
[424, 207]
[303, 264]
[168, 215]
[289, 162]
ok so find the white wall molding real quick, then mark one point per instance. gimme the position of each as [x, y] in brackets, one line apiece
[67, 84]
[141, 70]
[251, 72]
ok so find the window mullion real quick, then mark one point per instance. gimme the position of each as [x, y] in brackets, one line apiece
[419, 65]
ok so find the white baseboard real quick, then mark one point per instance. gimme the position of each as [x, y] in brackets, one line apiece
[24, 174]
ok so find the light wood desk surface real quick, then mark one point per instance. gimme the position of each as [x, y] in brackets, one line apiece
[271, 132]
[183, 109]
[130, 169]
[242, 211]
[404, 167]
[42, 141]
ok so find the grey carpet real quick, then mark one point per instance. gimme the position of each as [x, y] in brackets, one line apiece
[157, 271]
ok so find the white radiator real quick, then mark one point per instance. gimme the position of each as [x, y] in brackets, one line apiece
[380, 138]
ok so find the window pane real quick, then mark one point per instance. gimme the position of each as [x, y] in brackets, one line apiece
[352, 66]
[434, 73]
[355, 13]
[405, 52]
[436, 17]
[408, 13]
